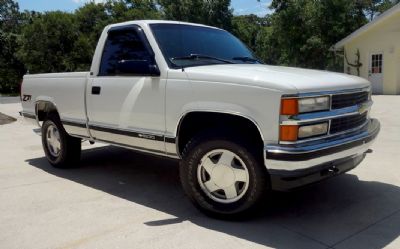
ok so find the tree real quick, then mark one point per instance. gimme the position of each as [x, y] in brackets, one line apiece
[11, 69]
[9, 15]
[90, 21]
[247, 27]
[48, 42]
[304, 30]
[59, 41]
[214, 13]
[267, 47]
[129, 10]
[374, 8]
[296, 33]
[93, 17]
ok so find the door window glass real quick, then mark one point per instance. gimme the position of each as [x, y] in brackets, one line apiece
[122, 45]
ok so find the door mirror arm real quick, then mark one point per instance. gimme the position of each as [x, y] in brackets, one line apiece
[154, 70]
[137, 68]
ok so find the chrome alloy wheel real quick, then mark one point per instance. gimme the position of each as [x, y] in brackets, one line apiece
[223, 176]
[53, 140]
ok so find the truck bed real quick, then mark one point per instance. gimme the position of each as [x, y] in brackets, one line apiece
[57, 75]
[65, 90]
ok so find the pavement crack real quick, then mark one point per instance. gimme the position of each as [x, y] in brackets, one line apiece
[305, 236]
[366, 228]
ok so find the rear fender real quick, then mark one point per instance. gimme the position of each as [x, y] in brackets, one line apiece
[43, 106]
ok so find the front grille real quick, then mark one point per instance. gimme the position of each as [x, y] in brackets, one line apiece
[347, 123]
[348, 99]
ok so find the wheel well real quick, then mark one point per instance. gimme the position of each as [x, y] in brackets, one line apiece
[196, 122]
[44, 108]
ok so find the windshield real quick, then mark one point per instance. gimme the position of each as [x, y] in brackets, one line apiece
[188, 45]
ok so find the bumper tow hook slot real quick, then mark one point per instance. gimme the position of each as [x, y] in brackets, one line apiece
[333, 170]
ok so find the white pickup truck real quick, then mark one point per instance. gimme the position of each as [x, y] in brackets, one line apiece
[196, 93]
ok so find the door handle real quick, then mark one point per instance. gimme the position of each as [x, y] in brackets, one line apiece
[96, 90]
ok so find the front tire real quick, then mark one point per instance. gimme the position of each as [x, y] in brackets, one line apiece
[62, 150]
[222, 176]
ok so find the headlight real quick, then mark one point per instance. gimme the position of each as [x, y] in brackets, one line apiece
[314, 104]
[292, 133]
[304, 105]
[313, 130]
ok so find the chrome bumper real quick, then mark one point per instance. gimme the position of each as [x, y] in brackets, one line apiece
[298, 157]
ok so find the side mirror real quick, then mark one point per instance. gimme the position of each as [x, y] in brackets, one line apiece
[137, 67]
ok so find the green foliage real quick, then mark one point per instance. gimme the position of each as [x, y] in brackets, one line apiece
[47, 43]
[248, 28]
[301, 32]
[304, 30]
[91, 20]
[11, 69]
[214, 13]
[127, 10]
[297, 33]
[64, 42]
[376, 7]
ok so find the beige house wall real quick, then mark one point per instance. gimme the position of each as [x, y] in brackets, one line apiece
[384, 38]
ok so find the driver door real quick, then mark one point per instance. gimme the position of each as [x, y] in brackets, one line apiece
[125, 101]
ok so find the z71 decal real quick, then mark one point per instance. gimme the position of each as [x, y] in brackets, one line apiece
[26, 98]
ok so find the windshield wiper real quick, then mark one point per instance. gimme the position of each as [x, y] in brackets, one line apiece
[201, 56]
[246, 59]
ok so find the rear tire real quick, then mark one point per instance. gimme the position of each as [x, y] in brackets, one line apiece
[224, 177]
[62, 150]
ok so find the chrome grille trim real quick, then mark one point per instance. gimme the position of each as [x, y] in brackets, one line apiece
[309, 118]
[327, 136]
[326, 93]
[343, 124]
[344, 100]
[358, 108]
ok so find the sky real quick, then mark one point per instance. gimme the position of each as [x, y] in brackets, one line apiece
[241, 7]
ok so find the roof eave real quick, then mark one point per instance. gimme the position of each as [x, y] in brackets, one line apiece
[363, 29]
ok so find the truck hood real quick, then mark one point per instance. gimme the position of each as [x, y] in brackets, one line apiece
[286, 79]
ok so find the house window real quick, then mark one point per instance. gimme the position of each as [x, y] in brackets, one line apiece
[376, 64]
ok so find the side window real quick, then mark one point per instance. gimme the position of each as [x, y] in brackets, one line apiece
[376, 63]
[123, 49]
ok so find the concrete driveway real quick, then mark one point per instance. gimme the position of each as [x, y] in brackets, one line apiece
[122, 199]
[8, 100]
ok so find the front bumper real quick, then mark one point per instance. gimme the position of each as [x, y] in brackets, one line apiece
[292, 166]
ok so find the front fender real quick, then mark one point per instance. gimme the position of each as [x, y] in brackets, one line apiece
[217, 107]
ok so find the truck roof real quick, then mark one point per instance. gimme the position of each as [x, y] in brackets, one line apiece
[147, 22]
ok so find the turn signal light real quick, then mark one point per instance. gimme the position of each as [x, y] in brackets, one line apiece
[289, 133]
[289, 107]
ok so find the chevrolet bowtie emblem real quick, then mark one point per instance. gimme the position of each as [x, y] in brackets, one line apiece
[362, 108]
